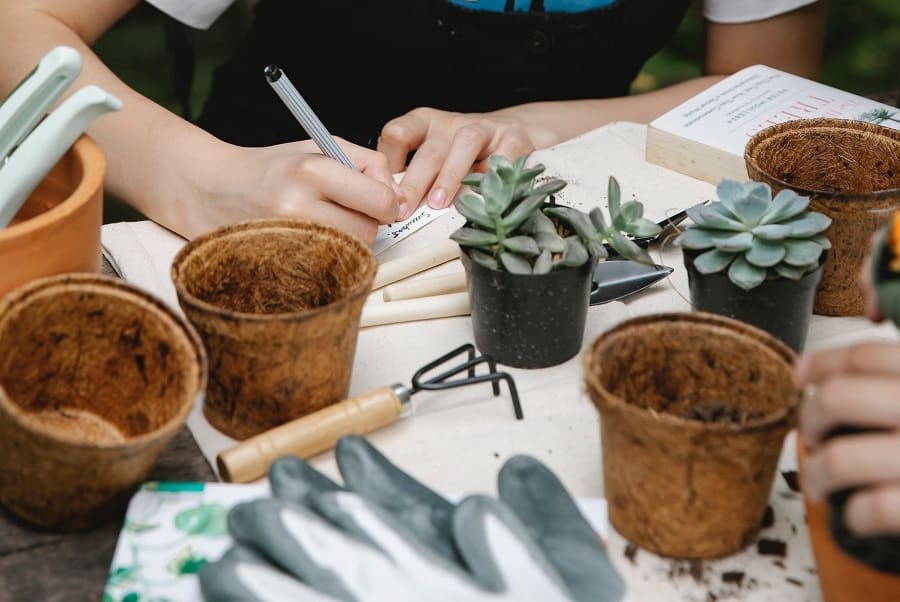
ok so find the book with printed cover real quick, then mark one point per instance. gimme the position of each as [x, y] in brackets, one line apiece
[705, 136]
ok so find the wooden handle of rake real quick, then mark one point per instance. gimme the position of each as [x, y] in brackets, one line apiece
[312, 434]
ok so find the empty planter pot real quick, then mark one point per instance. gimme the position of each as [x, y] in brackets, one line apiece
[96, 377]
[277, 304]
[851, 172]
[693, 409]
[57, 230]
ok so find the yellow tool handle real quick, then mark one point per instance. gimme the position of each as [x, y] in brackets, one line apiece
[309, 435]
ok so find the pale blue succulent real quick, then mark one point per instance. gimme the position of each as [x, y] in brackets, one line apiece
[511, 226]
[754, 236]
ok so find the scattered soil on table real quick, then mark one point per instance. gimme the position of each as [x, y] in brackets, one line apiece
[694, 568]
[790, 477]
[794, 581]
[771, 547]
[768, 518]
[733, 577]
[631, 551]
[719, 411]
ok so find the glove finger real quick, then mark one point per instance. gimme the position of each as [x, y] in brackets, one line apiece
[424, 513]
[541, 502]
[242, 574]
[294, 480]
[413, 567]
[501, 555]
[299, 541]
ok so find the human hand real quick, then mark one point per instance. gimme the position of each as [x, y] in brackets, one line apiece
[296, 180]
[391, 538]
[448, 146]
[856, 386]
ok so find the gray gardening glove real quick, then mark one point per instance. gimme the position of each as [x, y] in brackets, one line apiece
[391, 538]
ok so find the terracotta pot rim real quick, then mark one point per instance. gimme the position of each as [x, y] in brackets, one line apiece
[93, 165]
[774, 419]
[361, 288]
[822, 124]
[125, 291]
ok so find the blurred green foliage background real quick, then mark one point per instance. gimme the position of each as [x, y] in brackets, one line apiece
[862, 55]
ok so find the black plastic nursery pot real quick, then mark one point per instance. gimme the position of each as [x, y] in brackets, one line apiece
[779, 306]
[528, 320]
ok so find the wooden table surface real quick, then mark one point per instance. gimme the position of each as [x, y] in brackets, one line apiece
[42, 566]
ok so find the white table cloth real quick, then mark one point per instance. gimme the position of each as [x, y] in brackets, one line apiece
[457, 440]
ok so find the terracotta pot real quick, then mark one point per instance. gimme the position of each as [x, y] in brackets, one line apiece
[851, 171]
[277, 304]
[57, 230]
[842, 577]
[96, 377]
[694, 409]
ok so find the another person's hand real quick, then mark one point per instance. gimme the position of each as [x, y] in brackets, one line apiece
[295, 180]
[448, 146]
[856, 386]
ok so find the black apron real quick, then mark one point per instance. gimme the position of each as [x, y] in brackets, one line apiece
[360, 63]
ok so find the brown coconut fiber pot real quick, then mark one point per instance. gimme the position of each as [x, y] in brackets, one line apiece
[57, 230]
[96, 377]
[694, 409]
[277, 303]
[851, 172]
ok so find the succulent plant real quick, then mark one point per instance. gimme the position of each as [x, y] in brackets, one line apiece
[755, 236]
[510, 225]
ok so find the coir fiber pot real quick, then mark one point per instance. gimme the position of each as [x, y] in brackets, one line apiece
[528, 320]
[57, 230]
[694, 409]
[96, 377]
[851, 172]
[277, 303]
[780, 306]
[842, 577]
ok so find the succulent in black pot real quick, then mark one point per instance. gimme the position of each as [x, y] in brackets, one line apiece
[529, 262]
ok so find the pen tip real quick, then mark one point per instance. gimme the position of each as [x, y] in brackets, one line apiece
[272, 73]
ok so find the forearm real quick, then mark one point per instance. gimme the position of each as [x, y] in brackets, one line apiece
[151, 153]
[553, 122]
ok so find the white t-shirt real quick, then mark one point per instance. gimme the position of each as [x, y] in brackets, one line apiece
[202, 13]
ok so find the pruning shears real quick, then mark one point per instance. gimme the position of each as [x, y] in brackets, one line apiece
[31, 141]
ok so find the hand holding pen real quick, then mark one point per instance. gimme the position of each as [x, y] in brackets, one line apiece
[311, 123]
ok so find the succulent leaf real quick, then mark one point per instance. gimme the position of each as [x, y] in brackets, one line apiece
[613, 196]
[470, 237]
[772, 231]
[471, 207]
[596, 248]
[473, 180]
[550, 241]
[751, 208]
[734, 243]
[538, 222]
[810, 224]
[580, 222]
[698, 238]
[544, 263]
[744, 274]
[765, 253]
[790, 271]
[712, 216]
[598, 219]
[483, 258]
[515, 264]
[496, 194]
[523, 245]
[713, 261]
[643, 228]
[785, 205]
[801, 252]
[728, 191]
[822, 241]
[574, 254]
[627, 248]
[522, 211]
